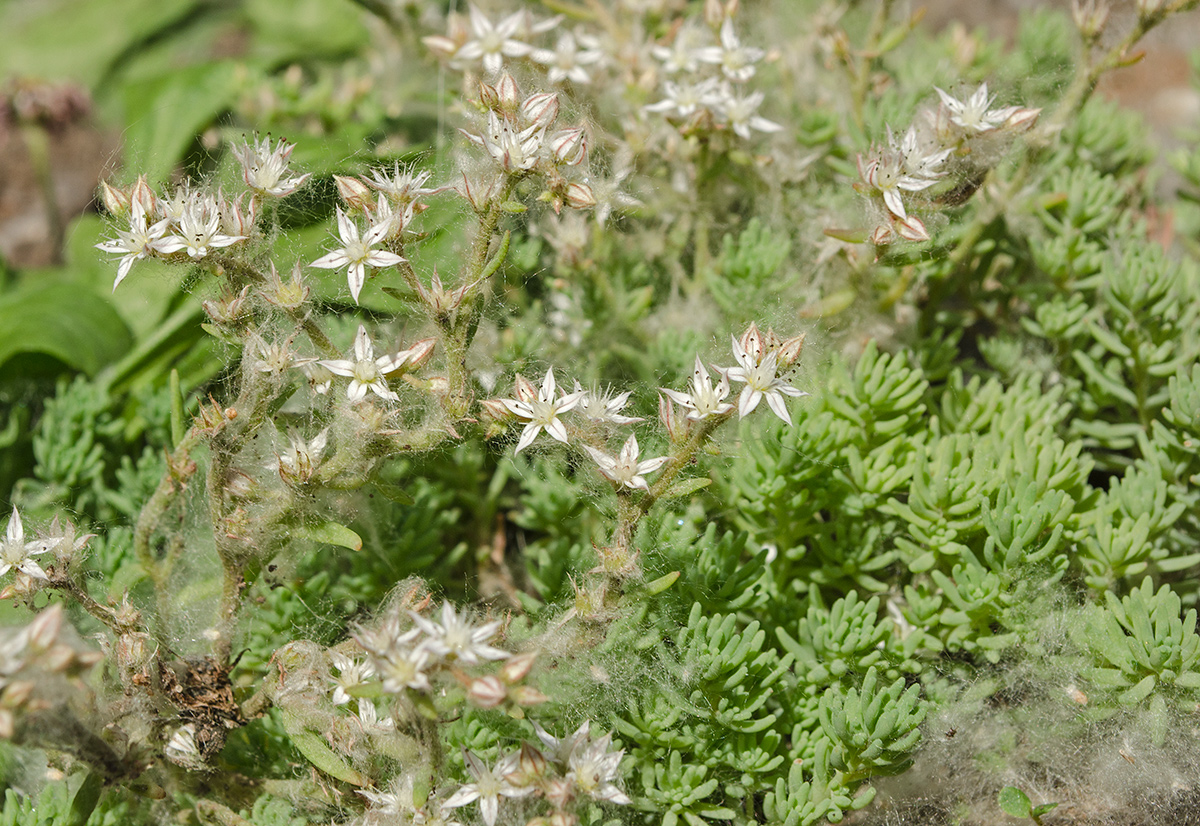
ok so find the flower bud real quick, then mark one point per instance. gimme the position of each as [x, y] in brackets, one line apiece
[569, 146]
[1022, 119]
[1090, 17]
[752, 342]
[115, 201]
[539, 110]
[144, 195]
[508, 96]
[523, 389]
[912, 229]
[487, 692]
[579, 196]
[789, 352]
[517, 668]
[43, 632]
[531, 766]
[524, 695]
[714, 13]
[227, 309]
[666, 415]
[495, 410]
[356, 195]
[16, 693]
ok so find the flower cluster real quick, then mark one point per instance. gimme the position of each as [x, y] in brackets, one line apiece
[568, 770]
[703, 82]
[956, 142]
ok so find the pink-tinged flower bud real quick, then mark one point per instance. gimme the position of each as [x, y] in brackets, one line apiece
[531, 766]
[7, 724]
[789, 352]
[524, 390]
[44, 630]
[579, 196]
[562, 817]
[421, 352]
[356, 195]
[144, 195]
[516, 668]
[912, 229]
[1022, 119]
[714, 13]
[569, 146]
[16, 694]
[752, 342]
[441, 46]
[882, 235]
[489, 97]
[1090, 17]
[525, 696]
[666, 415]
[236, 219]
[559, 792]
[115, 201]
[495, 410]
[487, 692]
[507, 94]
[59, 658]
[539, 110]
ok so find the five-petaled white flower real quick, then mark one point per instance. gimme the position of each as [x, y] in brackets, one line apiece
[740, 114]
[683, 99]
[625, 469]
[761, 382]
[138, 243]
[264, 169]
[365, 371]
[704, 400]
[492, 42]
[736, 61]
[603, 406]
[356, 253]
[514, 148]
[593, 768]
[567, 61]
[455, 638]
[974, 115]
[351, 675]
[15, 552]
[489, 786]
[541, 409]
[198, 229]
[892, 170]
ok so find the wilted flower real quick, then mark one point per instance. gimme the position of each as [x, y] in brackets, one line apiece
[302, 458]
[455, 638]
[264, 169]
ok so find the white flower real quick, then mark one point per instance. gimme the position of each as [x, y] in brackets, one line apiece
[593, 769]
[489, 786]
[264, 168]
[515, 149]
[541, 410]
[198, 229]
[368, 718]
[704, 400]
[761, 382]
[974, 115]
[626, 469]
[740, 114]
[138, 243]
[567, 61]
[683, 54]
[736, 61]
[559, 749]
[455, 638]
[492, 42]
[683, 99]
[365, 371]
[598, 406]
[16, 552]
[351, 675]
[404, 186]
[356, 254]
[892, 170]
[401, 667]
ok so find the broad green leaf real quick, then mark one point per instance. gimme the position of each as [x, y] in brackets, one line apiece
[76, 326]
[166, 113]
[1015, 802]
[304, 29]
[79, 39]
